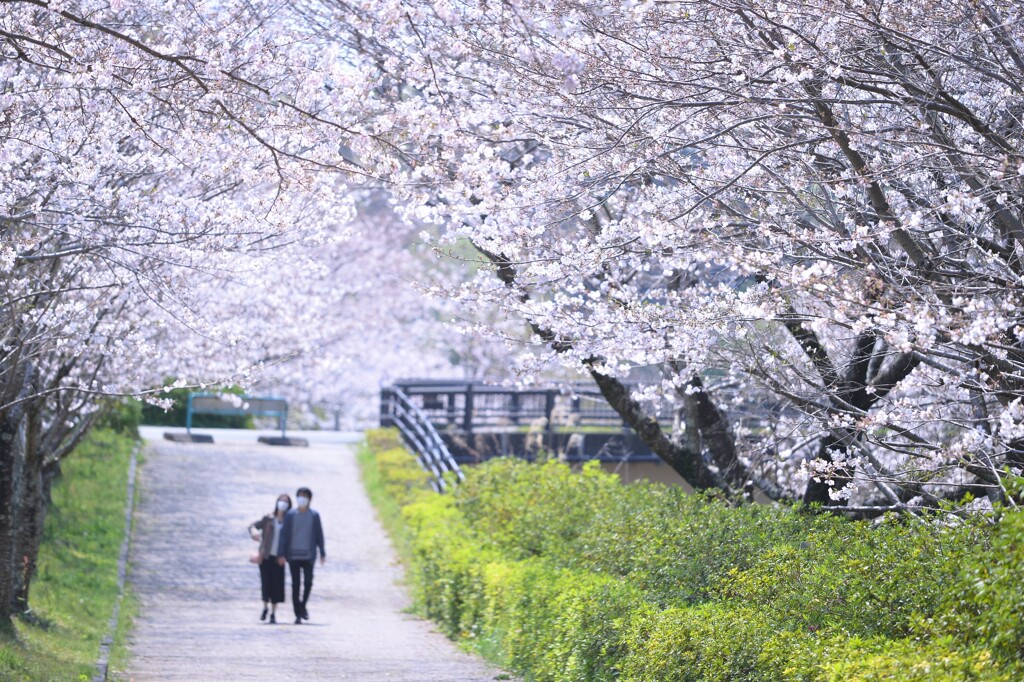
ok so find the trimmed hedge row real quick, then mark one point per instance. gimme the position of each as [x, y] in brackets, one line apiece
[563, 575]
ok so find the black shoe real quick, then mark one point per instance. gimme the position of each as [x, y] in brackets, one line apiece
[263, 616]
[298, 620]
[305, 613]
[273, 619]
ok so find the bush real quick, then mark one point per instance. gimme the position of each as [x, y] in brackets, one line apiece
[568, 575]
[121, 416]
[868, 581]
[529, 510]
[706, 642]
[985, 604]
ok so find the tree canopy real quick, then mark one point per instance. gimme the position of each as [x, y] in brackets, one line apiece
[802, 222]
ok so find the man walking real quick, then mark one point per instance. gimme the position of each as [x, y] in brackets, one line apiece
[301, 536]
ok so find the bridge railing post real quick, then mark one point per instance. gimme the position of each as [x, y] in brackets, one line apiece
[467, 416]
[386, 407]
[421, 437]
[549, 413]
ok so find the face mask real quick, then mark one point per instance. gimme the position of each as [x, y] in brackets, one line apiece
[303, 502]
[282, 505]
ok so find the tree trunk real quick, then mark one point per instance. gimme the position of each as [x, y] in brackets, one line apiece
[21, 485]
[33, 514]
[12, 505]
[685, 462]
[817, 492]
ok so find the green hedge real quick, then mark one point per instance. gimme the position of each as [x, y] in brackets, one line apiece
[563, 575]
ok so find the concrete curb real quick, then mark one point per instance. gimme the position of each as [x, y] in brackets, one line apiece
[102, 663]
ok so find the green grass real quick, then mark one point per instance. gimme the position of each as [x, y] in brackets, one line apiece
[75, 588]
[387, 504]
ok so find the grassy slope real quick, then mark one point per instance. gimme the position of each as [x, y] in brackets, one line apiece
[388, 510]
[76, 586]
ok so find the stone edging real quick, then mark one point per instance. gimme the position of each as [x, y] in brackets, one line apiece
[102, 663]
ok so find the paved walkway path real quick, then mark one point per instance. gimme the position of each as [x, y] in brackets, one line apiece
[199, 614]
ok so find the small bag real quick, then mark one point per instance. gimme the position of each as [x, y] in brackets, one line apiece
[255, 558]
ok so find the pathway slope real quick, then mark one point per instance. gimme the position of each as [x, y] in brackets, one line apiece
[199, 612]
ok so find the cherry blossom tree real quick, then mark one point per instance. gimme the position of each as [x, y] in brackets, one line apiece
[181, 198]
[166, 172]
[806, 216]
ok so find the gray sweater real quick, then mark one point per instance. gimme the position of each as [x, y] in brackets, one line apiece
[301, 536]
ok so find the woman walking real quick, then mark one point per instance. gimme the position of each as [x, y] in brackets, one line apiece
[268, 532]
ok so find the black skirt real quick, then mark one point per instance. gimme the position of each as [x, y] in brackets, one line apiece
[272, 580]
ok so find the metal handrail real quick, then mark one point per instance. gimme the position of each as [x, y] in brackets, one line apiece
[422, 438]
[469, 406]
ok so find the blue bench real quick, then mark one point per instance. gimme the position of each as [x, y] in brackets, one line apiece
[232, 405]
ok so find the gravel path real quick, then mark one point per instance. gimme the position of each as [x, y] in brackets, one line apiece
[199, 614]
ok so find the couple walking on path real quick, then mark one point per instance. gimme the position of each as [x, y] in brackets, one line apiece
[288, 536]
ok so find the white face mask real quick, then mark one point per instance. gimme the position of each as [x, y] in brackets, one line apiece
[282, 505]
[303, 502]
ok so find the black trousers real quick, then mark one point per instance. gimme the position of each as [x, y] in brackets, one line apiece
[301, 569]
[272, 580]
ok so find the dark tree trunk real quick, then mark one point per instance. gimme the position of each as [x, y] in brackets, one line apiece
[852, 397]
[687, 463]
[12, 461]
[818, 491]
[29, 537]
[33, 514]
[714, 436]
[22, 488]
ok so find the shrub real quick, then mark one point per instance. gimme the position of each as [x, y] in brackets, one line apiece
[705, 642]
[985, 604]
[529, 510]
[868, 581]
[121, 416]
[568, 575]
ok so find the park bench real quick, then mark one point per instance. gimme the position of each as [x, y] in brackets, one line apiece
[232, 405]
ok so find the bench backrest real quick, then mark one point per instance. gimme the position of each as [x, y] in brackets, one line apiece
[211, 403]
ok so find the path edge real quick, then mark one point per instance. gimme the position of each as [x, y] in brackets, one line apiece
[103, 660]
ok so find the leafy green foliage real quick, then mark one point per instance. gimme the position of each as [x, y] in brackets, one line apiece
[569, 575]
[985, 604]
[121, 416]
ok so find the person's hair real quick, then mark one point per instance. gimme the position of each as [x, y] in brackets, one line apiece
[285, 496]
[305, 491]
